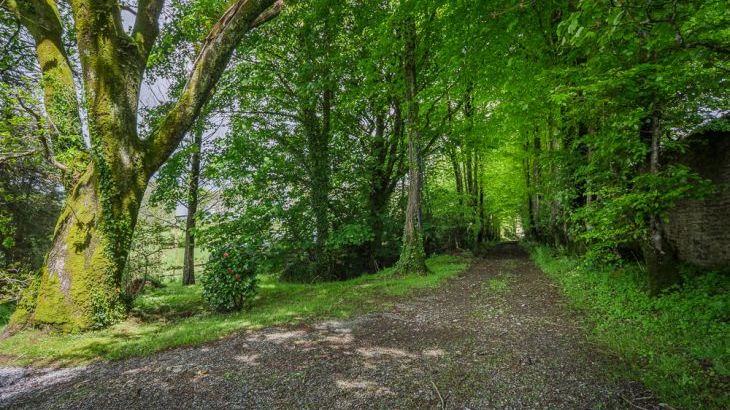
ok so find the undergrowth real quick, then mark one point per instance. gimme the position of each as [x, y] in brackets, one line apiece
[677, 344]
[6, 309]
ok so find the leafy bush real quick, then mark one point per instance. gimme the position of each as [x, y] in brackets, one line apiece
[677, 342]
[229, 280]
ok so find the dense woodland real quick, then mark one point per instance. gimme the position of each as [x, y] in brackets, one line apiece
[319, 140]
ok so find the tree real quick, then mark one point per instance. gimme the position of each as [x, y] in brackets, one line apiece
[413, 254]
[192, 206]
[78, 287]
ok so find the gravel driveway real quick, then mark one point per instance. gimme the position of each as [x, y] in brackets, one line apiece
[498, 336]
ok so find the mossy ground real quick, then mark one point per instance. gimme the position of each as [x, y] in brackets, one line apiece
[176, 316]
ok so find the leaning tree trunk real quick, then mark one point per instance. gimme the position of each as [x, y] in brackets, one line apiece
[413, 254]
[189, 260]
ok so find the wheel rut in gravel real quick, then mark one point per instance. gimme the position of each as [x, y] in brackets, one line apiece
[498, 336]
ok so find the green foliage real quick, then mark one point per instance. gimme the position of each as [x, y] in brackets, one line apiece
[30, 193]
[676, 343]
[229, 280]
[6, 309]
[615, 74]
[176, 315]
[354, 234]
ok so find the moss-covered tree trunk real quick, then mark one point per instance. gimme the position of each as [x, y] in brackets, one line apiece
[413, 255]
[78, 287]
[318, 146]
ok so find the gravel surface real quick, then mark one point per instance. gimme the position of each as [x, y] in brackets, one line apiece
[498, 336]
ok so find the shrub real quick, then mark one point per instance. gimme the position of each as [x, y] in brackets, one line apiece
[229, 280]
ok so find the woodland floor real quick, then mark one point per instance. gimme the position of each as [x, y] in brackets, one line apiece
[498, 336]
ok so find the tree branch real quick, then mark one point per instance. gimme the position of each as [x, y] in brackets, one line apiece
[268, 14]
[5, 157]
[42, 20]
[146, 26]
[207, 70]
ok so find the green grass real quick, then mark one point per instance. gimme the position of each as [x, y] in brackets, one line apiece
[176, 316]
[499, 283]
[678, 343]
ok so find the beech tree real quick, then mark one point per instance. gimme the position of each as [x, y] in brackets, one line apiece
[78, 286]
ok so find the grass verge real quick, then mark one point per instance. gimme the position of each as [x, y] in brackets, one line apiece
[176, 316]
[677, 344]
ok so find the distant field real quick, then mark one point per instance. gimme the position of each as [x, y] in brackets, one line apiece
[172, 262]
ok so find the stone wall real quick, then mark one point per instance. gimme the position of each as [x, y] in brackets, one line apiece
[700, 230]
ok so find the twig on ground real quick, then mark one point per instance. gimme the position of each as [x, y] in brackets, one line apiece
[441, 399]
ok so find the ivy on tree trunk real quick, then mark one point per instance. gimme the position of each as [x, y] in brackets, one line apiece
[413, 254]
[79, 285]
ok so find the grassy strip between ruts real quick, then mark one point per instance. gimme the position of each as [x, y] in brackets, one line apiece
[678, 343]
[175, 316]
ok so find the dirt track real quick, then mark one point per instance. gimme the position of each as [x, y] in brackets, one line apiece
[498, 336]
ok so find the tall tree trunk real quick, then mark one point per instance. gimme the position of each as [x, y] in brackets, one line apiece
[413, 254]
[385, 169]
[378, 195]
[192, 205]
[485, 231]
[458, 229]
[659, 254]
[535, 227]
[318, 141]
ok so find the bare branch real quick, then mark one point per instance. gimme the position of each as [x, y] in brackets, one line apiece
[5, 157]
